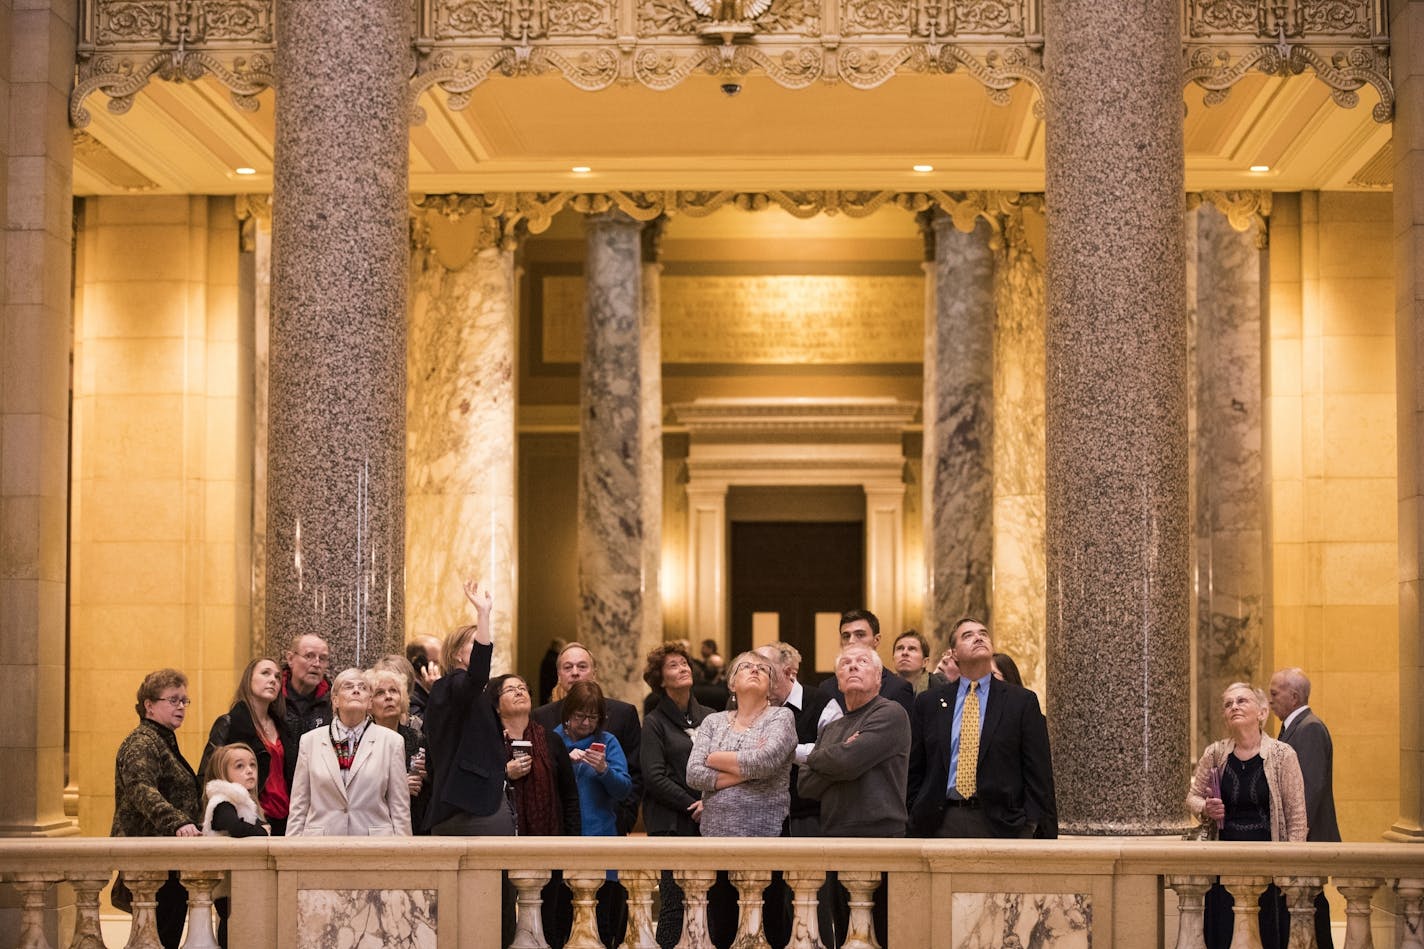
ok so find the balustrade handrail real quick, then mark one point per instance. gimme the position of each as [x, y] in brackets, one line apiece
[1086, 856]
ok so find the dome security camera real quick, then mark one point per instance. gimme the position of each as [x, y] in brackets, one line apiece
[730, 89]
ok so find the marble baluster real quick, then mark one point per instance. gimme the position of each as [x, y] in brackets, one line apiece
[1358, 892]
[860, 931]
[584, 884]
[694, 884]
[1245, 930]
[1116, 439]
[143, 927]
[87, 931]
[611, 462]
[201, 918]
[529, 923]
[1409, 917]
[1300, 899]
[1230, 509]
[340, 262]
[1191, 910]
[805, 929]
[959, 426]
[33, 888]
[640, 884]
[651, 374]
[460, 459]
[750, 884]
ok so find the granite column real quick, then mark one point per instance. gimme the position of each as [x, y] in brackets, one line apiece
[336, 471]
[36, 214]
[1229, 508]
[461, 408]
[611, 505]
[1407, 68]
[959, 427]
[1116, 414]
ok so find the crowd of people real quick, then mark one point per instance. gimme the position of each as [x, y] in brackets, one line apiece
[432, 743]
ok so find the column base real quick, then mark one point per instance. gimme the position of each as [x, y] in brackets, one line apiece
[1166, 828]
[60, 828]
[1405, 833]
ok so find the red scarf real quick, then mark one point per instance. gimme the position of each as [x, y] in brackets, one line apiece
[536, 803]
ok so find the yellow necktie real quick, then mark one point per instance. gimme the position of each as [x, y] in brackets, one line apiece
[966, 772]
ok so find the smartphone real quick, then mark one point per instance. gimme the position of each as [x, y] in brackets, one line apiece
[597, 746]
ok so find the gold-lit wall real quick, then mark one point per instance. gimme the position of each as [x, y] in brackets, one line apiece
[161, 484]
[1331, 470]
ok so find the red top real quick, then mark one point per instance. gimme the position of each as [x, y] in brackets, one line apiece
[274, 798]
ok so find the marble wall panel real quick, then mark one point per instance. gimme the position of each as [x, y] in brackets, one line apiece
[1019, 573]
[460, 444]
[999, 920]
[367, 919]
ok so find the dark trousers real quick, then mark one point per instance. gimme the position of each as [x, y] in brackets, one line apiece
[172, 911]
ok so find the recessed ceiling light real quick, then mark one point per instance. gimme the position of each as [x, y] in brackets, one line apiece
[580, 169]
[1260, 168]
[245, 170]
[923, 168]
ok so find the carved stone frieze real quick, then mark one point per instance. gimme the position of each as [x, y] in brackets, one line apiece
[523, 20]
[1344, 71]
[933, 18]
[683, 17]
[191, 22]
[1294, 19]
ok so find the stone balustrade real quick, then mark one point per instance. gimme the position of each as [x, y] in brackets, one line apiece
[446, 892]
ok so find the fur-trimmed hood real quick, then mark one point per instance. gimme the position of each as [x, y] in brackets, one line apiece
[220, 792]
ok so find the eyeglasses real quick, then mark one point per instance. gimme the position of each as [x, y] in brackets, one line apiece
[514, 690]
[315, 658]
[583, 717]
[176, 702]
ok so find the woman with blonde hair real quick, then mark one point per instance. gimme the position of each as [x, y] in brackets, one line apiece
[1248, 786]
[390, 708]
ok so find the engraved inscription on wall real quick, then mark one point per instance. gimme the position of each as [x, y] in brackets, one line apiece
[774, 318]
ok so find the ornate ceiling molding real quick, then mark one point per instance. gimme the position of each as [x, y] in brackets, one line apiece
[1345, 71]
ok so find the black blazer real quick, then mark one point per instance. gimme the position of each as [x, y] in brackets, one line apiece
[892, 687]
[1015, 775]
[465, 742]
[622, 722]
[666, 748]
[237, 726]
[814, 703]
[1313, 748]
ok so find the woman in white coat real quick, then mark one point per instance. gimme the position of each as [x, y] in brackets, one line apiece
[350, 778]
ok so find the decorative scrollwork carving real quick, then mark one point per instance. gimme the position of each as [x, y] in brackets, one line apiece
[1243, 209]
[892, 17]
[119, 79]
[189, 22]
[523, 19]
[1209, 17]
[456, 75]
[663, 69]
[1345, 72]
[999, 72]
[1333, 17]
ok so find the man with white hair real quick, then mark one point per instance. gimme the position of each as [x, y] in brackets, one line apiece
[1307, 734]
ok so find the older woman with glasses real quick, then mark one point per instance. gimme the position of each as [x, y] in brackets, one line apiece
[350, 778]
[156, 793]
[741, 758]
[538, 769]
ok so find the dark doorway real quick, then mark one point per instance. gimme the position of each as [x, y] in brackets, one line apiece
[796, 570]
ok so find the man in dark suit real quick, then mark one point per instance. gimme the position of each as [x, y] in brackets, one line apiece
[576, 664]
[863, 628]
[980, 765]
[1307, 734]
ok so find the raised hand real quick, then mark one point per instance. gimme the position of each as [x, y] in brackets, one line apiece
[482, 603]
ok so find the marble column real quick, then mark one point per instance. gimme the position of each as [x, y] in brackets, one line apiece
[611, 499]
[1018, 604]
[651, 369]
[1229, 505]
[1116, 413]
[959, 426]
[340, 255]
[461, 423]
[1407, 69]
[36, 210]
[255, 281]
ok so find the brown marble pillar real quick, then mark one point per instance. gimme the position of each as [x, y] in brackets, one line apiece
[1407, 65]
[959, 427]
[336, 446]
[1116, 447]
[651, 370]
[611, 461]
[36, 213]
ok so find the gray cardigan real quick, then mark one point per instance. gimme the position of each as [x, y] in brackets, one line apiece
[757, 806]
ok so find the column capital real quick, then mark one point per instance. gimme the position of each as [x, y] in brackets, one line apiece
[1243, 209]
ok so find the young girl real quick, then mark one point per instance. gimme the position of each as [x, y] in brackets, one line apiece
[230, 794]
